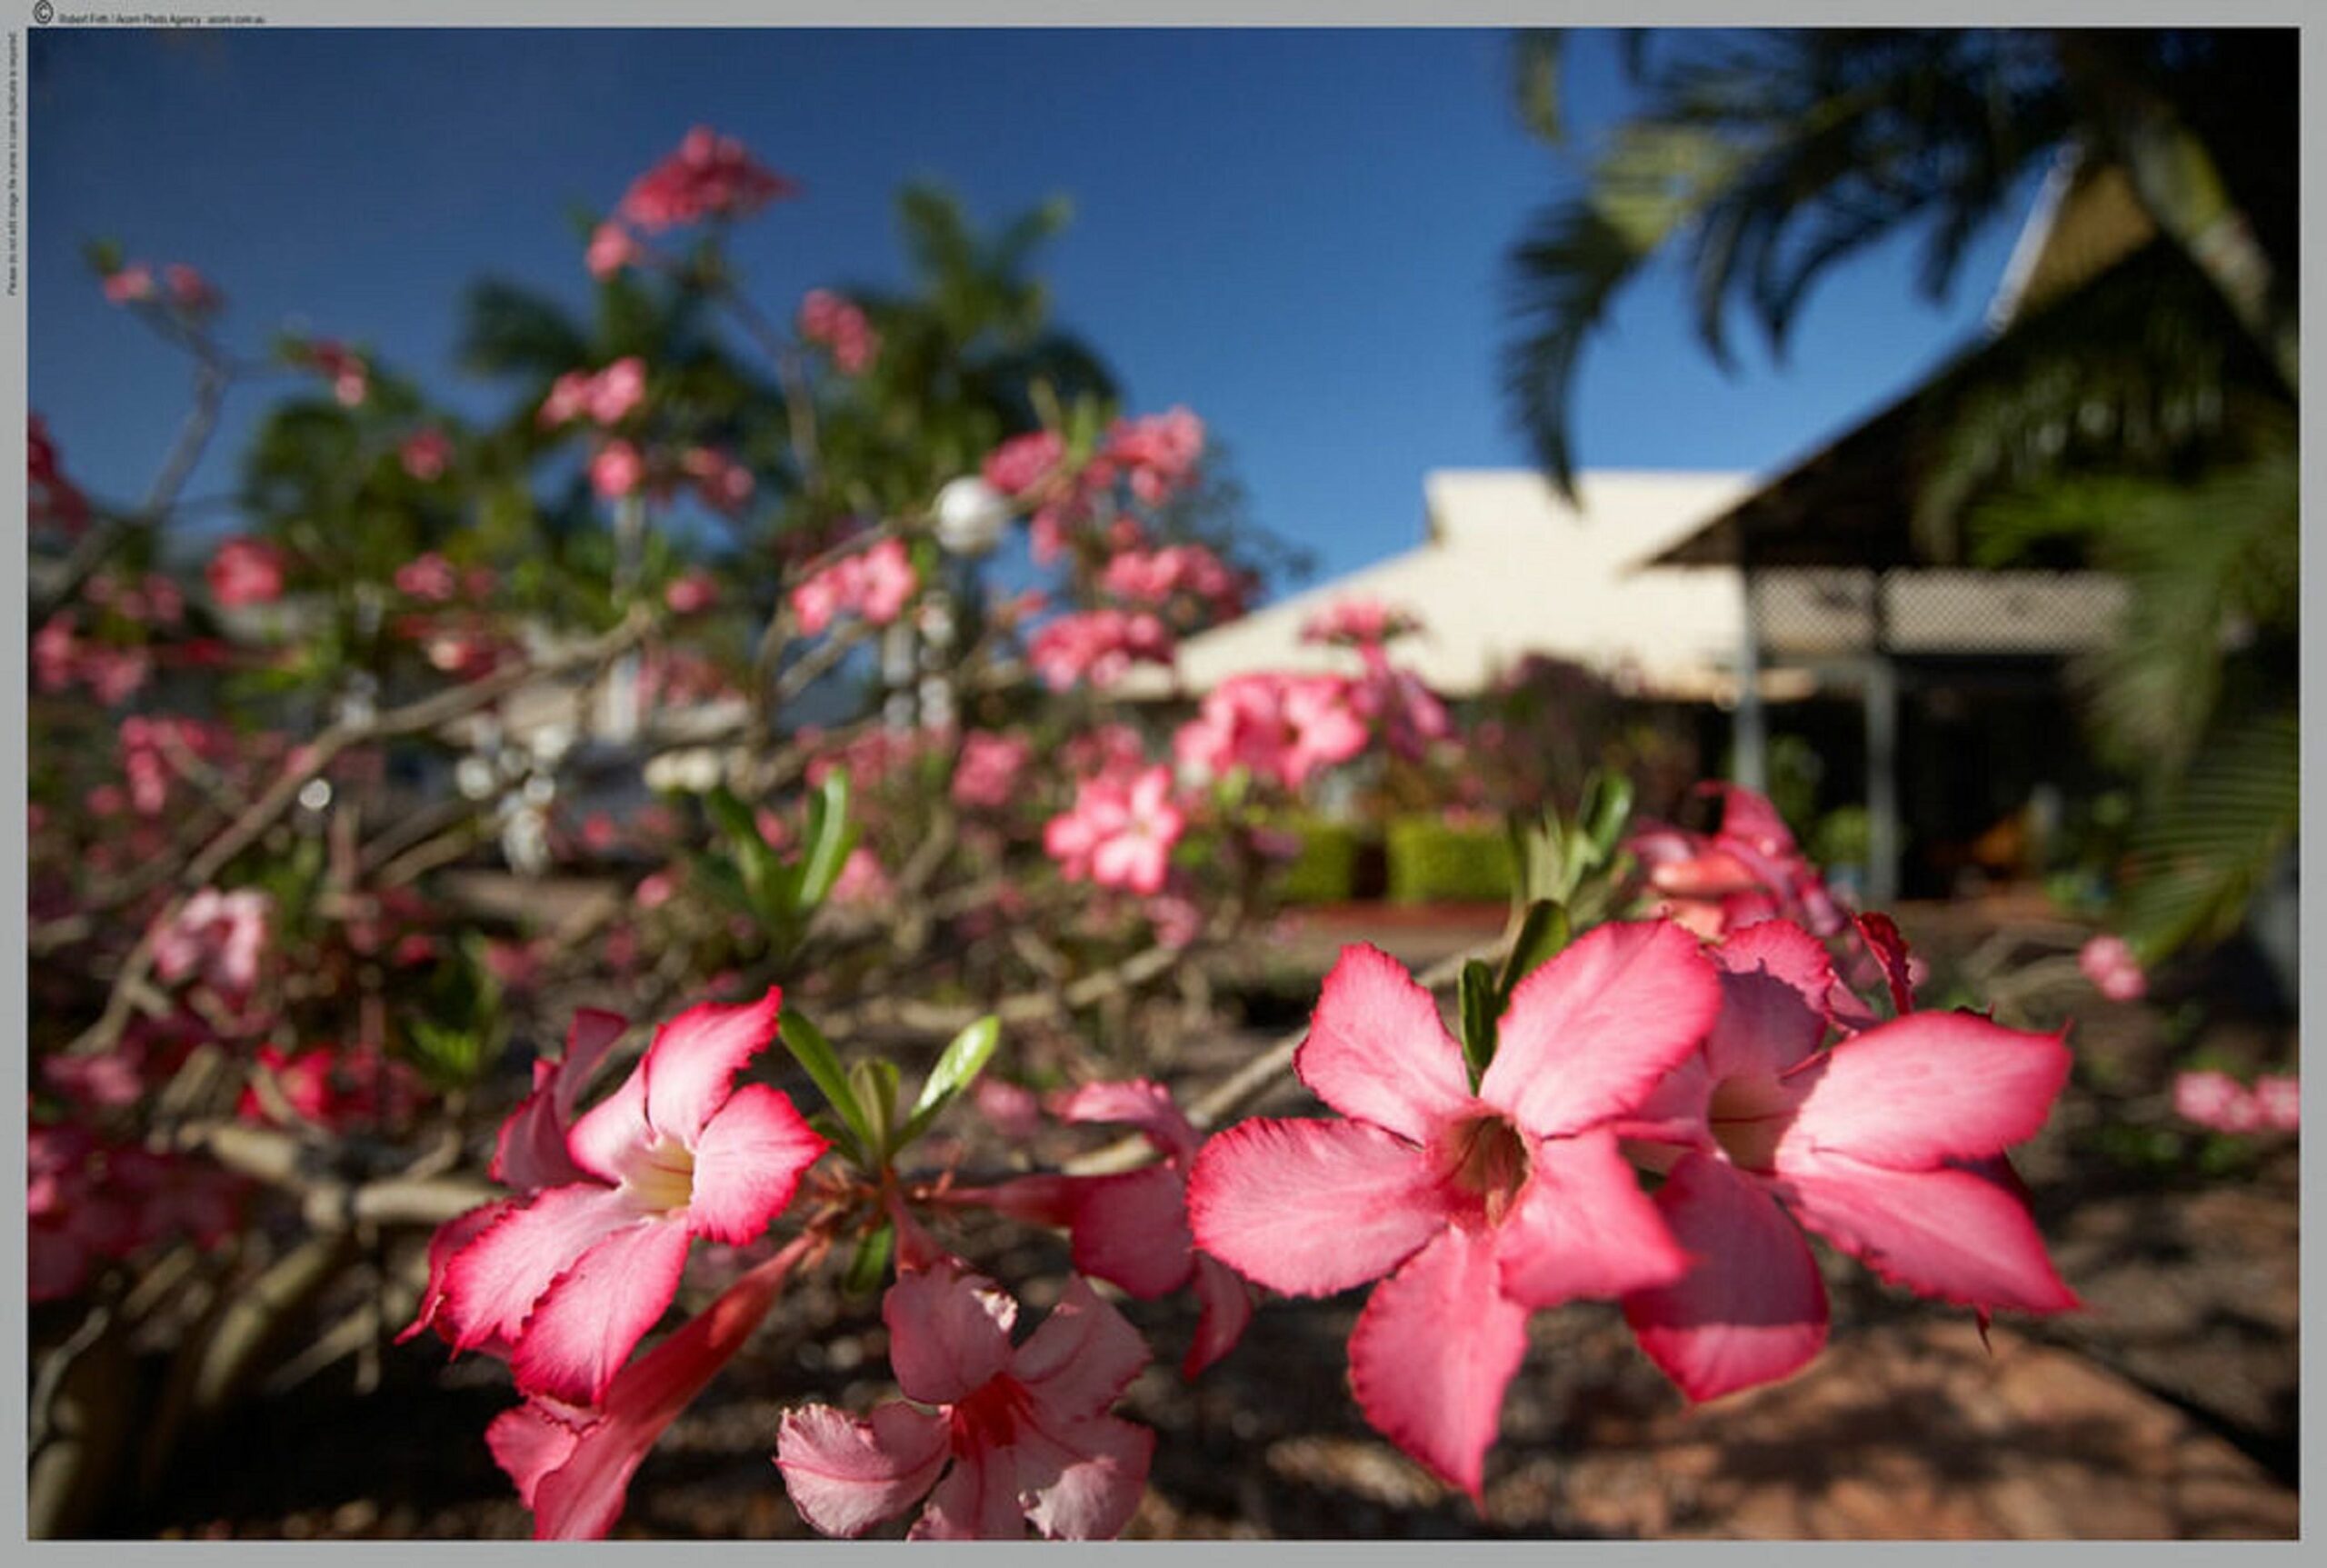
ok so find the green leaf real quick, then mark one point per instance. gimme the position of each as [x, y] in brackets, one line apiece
[815, 1053]
[831, 835]
[1542, 935]
[1479, 1014]
[869, 1265]
[1606, 807]
[957, 1067]
[875, 1083]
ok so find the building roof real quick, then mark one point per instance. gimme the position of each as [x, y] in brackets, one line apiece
[1508, 569]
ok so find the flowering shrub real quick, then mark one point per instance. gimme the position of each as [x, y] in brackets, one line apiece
[274, 1008]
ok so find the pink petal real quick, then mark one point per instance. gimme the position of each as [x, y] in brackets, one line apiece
[1582, 1227]
[586, 1327]
[1226, 1306]
[748, 1162]
[1754, 1310]
[948, 1331]
[978, 1501]
[1890, 951]
[452, 1238]
[530, 1442]
[611, 1132]
[1376, 1051]
[1132, 1103]
[1674, 1112]
[1094, 1492]
[582, 1498]
[1927, 1087]
[1589, 1033]
[1131, 1229]
[492, 1283]
[592, 1035]
[1311, 1207]
[1951, 1234]
[1432, 1352]
[696, 1055]
[1082, 1357]
[845, 1476]
[530, 1153]
[1774, 981]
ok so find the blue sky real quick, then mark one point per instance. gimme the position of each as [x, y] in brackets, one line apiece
[1297, 234]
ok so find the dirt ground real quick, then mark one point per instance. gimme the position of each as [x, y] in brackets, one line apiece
[2164, 1410]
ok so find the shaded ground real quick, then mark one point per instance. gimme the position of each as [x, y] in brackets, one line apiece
[2165, 1410]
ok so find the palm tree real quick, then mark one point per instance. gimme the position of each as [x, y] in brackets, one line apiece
[2140, 421]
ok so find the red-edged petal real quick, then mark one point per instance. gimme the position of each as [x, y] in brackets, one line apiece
[450, 1239]
[1753, 1310]
[1225, 1307]
[978, 1501]
[1589, 1033]
[1925, 1088]
[1582, 1227]
[1131, 1229]
[1951, 1234]
[948, 1331]
[845, 1476]
[748, 1162]
[530, 1152]
[1081, 1358]
[696, 1055]
[1774, 981]
[492, 1284]
[530, 1442]
[1433, 1351]
[1311, 1207]
[1377, 1052]
[1890, 951]
[586, 1327]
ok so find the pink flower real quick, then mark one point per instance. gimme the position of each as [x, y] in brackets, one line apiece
[616, 470]
[53, 500]
[2278, 1102]
[1406, 712]
[1361, 622]
[1156, 576]
[618, 389]
[2215, 1100]
[986, 775]
[1120, 833]
[351, 378]
[1275, 726]
[2109, 962]
[56, 652]
[1159, 452]
[425, 454]
[710, 176]
[1025, 1428]
[1131, 1228]
[611, 248]
[572, 1463]
[1890, 1144]
[862, 881]
[875, 584]
[693, 593]
[245, 571]
[838, 323]
[1021, 463]
[190, 291]
[1479, 1205]
[130, 285]
[428, 577]
[217, 937]
[1748, 871]
[724, 483]
[1097, 645]
[573, 1277]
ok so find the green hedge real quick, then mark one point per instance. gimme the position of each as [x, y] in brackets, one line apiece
[1431, 862]
[1325, 871]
